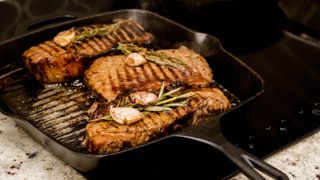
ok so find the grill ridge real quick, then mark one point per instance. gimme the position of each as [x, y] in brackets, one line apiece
[58, 111]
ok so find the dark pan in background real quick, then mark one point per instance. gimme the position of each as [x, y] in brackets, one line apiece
[55, 115]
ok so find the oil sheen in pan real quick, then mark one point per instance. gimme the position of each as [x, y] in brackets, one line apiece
[58, 110]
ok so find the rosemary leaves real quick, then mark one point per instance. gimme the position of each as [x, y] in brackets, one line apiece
[151, 55]
[77, 35]
[129, 111]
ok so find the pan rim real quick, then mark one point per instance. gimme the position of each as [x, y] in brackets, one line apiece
[98, 156]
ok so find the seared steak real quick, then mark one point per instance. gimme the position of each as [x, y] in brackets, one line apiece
[51, 63]
[110, 76]
[108, 136]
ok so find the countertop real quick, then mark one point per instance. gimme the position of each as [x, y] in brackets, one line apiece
[21, 157]
[299, 161]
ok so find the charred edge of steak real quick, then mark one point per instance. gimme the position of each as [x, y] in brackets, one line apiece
[57, 69]
[108, 136]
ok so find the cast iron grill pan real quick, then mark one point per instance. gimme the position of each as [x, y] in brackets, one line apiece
[57, 110]
[55, 114]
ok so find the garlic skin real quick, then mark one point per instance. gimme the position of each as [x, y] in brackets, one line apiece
[125, 115]
[135, 59]
[64, 38]
[143, 98]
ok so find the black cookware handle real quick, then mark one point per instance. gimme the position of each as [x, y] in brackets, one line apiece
[209, 132]
[34, 24]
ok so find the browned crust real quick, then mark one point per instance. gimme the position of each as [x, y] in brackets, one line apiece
[107, 136]
[50, 63]
[58, 68]
[110, 76]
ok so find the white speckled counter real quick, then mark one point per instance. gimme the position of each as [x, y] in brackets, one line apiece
[21, 157]
[299, 161]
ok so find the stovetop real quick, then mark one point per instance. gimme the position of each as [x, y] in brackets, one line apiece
[285, 52]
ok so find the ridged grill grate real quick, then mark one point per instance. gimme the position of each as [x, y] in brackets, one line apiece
[59, 111]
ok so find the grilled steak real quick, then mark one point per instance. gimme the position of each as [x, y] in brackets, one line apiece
[110, 76]
[108, 136]
[50, 62]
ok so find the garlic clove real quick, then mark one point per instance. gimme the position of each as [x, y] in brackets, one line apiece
[125, 115]
[143, 98]
[135, 59]
[64, 38]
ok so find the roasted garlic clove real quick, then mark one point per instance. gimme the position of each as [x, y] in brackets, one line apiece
[64, 38]
[135, 59]
[125, 115]
[143, 98]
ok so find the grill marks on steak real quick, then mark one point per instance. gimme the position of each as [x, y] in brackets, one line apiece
[110, 76]
[108, 136]
[50, 63]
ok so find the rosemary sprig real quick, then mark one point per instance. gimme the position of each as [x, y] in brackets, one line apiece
[182, 96]
[161, 90]
[87, 32]
[165, 104]
[163, 62]
[163, 56]
[178, 104]
[151, 55]
[124, 102]
[77, 35]
[166, 101]
[170, 93]
[157, 108]
[129, 48]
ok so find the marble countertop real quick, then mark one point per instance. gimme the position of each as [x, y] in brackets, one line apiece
[21, 157]
[300, 161]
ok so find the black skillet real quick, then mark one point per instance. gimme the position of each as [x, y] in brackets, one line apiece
[229, 71]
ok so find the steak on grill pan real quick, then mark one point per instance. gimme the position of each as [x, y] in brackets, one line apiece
[64, 57]
[108, 136]
[187, 77]
[109, 76]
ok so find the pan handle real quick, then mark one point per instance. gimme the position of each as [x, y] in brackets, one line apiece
[34, 24]
[209, 132]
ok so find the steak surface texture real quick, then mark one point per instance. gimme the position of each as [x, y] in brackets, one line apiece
[108, 136]
[110, 77]
[50, 63]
